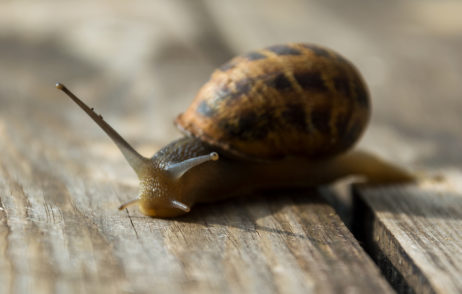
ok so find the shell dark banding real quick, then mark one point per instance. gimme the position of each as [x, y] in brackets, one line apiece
[205, 109]
[321, 119]
[284, 50]
[251, 126]
[342, 85]
[310, 81]
[227, 66]
[317, 50]
[284, 100]
[279, 82]
[252, 56]
[295, 115]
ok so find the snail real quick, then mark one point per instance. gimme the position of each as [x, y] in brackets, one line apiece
[283, 116]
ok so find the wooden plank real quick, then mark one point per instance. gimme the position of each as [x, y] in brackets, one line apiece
[414, 234]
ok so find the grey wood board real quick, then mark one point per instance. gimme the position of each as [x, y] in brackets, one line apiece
[414, 233]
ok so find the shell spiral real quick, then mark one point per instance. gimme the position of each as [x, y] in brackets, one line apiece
[285, 100]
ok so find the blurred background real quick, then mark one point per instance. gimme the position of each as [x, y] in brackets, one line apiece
[140, 63]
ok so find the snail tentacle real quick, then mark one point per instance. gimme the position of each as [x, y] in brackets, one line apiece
[180, 205]
[177, 170]
[129, 203]
[136, 160]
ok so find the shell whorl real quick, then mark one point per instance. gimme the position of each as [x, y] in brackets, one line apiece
[284, 100]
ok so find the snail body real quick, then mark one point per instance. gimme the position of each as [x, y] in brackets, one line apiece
[283, 116]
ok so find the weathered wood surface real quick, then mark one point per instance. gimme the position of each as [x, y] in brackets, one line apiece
[414, 234]
[139, 64]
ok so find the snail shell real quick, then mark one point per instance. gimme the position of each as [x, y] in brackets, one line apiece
[284, 100]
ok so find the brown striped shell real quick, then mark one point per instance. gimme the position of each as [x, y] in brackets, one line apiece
[284, 100]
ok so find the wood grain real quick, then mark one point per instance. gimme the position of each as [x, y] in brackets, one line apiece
[414, 234]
